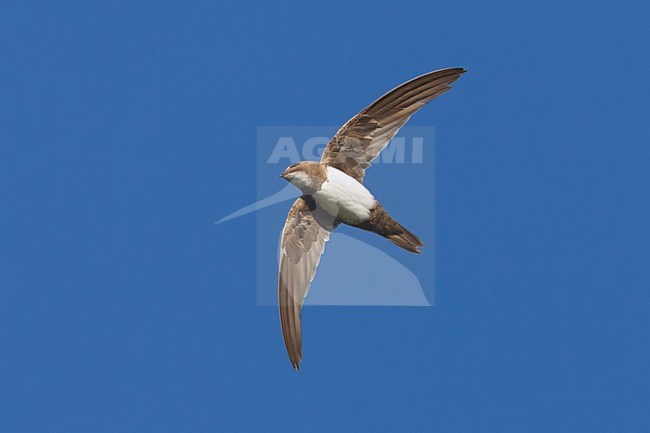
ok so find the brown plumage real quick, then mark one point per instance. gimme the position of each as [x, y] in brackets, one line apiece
[383, 224]
[303, 241]
[361, 139]
[351, 150]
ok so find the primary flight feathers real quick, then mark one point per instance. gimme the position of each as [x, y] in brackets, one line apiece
[333, 193]
[361, 139]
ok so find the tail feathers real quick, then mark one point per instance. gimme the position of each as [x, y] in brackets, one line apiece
[383, 224]
[406, 240]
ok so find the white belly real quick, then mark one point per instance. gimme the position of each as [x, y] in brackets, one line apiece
[343, 196]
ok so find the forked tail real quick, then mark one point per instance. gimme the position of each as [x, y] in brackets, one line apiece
[383, 224]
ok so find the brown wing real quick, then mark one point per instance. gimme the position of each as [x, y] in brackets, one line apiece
[361, 139]
[303, 242]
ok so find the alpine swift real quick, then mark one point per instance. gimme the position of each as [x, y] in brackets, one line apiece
[333, 193]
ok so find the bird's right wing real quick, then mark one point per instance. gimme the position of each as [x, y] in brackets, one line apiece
[361, 139]
[303, 241]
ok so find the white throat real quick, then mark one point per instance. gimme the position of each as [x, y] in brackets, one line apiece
[302, 180]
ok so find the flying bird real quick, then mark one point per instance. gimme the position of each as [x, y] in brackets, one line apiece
[333, 193]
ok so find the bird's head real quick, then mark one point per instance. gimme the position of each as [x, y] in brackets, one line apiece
[306, 175]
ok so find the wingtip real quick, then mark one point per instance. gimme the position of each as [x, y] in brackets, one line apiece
[458, 70]
[455, 69]
[296, 363]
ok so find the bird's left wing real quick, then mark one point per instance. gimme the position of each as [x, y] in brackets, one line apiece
[361, 139]
[303, 242]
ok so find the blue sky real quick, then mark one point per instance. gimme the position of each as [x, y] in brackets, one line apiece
[128, 128]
